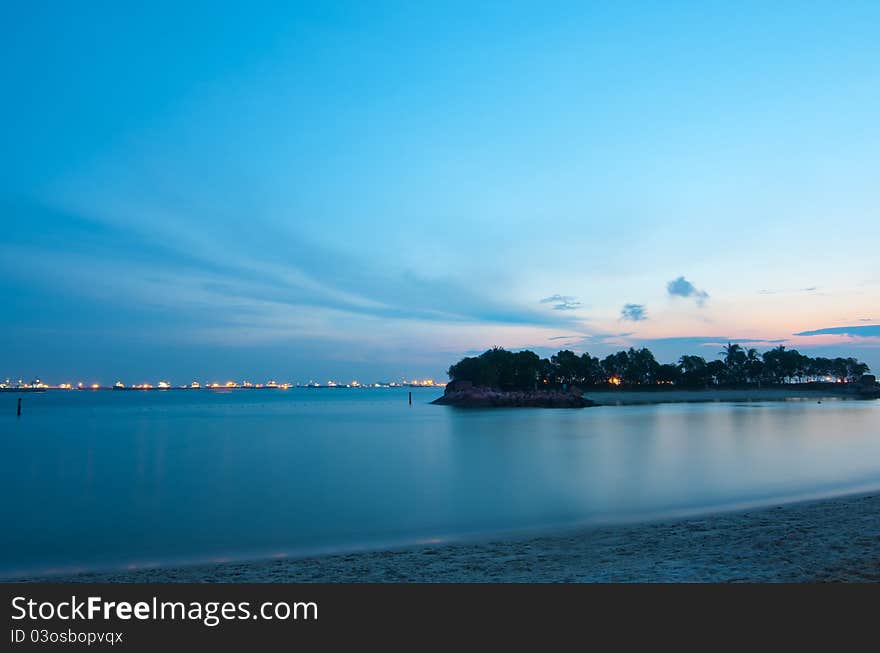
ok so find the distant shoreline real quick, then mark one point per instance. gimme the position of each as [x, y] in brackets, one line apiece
[472, 397]
[591, 396]
[223, 388]
[833, 539]
[641, 397]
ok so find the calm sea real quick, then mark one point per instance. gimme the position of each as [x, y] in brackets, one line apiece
[97, 480]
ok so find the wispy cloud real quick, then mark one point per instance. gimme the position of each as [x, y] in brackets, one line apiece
[633, 313]
[780, 291]
[711, 341]
[583, 341]
[562, 302]
[280, 273]
[860, 331]
[681, 287]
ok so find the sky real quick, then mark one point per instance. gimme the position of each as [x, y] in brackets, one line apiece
[373, 190]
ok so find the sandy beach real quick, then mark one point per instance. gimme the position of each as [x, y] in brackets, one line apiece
[835, 539]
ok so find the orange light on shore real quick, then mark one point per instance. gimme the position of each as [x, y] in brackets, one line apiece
[614, 380]
[95, 386]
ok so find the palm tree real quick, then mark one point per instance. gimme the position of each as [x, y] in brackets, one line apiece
[730, 352]
[754, 366]
[734, 360]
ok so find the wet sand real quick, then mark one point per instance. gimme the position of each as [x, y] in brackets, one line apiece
[834, 539]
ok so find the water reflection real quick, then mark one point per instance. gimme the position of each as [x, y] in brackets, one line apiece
[112, 479]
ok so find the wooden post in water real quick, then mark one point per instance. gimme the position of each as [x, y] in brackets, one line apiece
[410, 398]
[19, 407]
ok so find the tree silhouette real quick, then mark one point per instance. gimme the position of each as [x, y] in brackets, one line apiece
[754, 366]
[735, 362]
[525, 370]
[694, 371]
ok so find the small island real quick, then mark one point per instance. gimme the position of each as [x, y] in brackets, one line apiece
[501, 378]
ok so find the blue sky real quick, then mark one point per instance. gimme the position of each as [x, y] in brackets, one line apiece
[372, 190]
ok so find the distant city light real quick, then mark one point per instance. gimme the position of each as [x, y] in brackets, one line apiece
[38, 384]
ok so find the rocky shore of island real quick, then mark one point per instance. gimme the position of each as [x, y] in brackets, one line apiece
[465, 394]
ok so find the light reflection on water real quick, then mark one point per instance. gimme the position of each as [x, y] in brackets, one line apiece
[120, 479]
